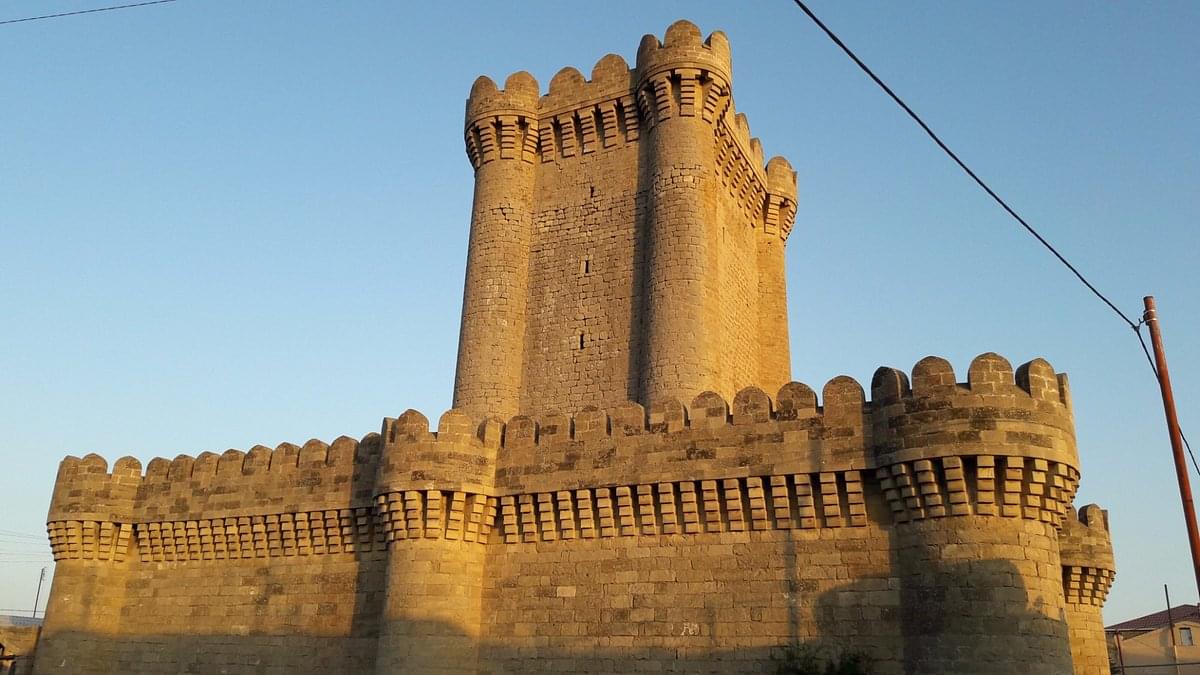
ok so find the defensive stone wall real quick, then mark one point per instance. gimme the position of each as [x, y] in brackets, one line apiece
[933, 518]
[626, 252]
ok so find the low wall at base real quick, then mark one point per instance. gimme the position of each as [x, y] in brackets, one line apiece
[298, 614]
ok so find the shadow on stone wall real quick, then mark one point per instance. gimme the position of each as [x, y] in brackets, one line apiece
[943, 620]
[922, 618]
[912, 629]
[979, 615]
[260, 654]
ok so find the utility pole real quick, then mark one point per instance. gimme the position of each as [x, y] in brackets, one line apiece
[1150, 317]
[38, 597]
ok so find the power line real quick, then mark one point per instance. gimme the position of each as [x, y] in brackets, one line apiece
[1136, 326]
[85, 11]
[916, 118]
[14, 533]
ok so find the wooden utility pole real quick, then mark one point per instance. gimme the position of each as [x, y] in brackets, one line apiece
[1150, 317]
[38, 597]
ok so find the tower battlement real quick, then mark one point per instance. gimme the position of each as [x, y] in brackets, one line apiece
[627, 236]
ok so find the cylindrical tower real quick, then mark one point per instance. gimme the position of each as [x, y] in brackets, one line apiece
[1088, 571]
[682, 87]
[501, 136]
[435, 528]
[774, 351]
[92, 542]
[978, 477]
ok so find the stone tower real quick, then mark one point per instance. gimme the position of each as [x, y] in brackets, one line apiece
[627, 243]
[626, 237]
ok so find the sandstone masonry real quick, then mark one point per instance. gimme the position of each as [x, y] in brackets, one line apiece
[626, 238]
[615, 490]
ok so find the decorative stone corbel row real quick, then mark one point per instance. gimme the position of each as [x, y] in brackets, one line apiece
[1007, 486]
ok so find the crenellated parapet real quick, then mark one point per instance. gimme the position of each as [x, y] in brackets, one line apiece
[437, 484]
[766, 194]
[1085, 548]
[290, 500]
[92, 509]
[460, 455]
[682, 76]
[956, 495]
[1000, 444]
[780, 213]
[86, 490]
[581, 117]
[502, 123]
[1088, 571]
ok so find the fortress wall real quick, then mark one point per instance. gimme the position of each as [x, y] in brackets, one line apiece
[916, 524]
[270, 556]
[706, 536]
[727, 601]
[81, 630]
[931, 526]
[304, 613]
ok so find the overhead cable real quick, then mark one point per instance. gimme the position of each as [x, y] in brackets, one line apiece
[85, 11]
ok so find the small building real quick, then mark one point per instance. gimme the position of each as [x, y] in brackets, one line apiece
[18, 638]
[1162, 643]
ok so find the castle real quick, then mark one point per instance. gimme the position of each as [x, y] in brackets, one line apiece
[628, 479]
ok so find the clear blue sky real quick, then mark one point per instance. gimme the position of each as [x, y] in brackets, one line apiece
[229, 223]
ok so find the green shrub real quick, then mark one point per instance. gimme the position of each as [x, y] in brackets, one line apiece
[815, 661]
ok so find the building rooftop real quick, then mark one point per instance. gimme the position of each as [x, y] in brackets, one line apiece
[1158, 619]
[14, 620]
